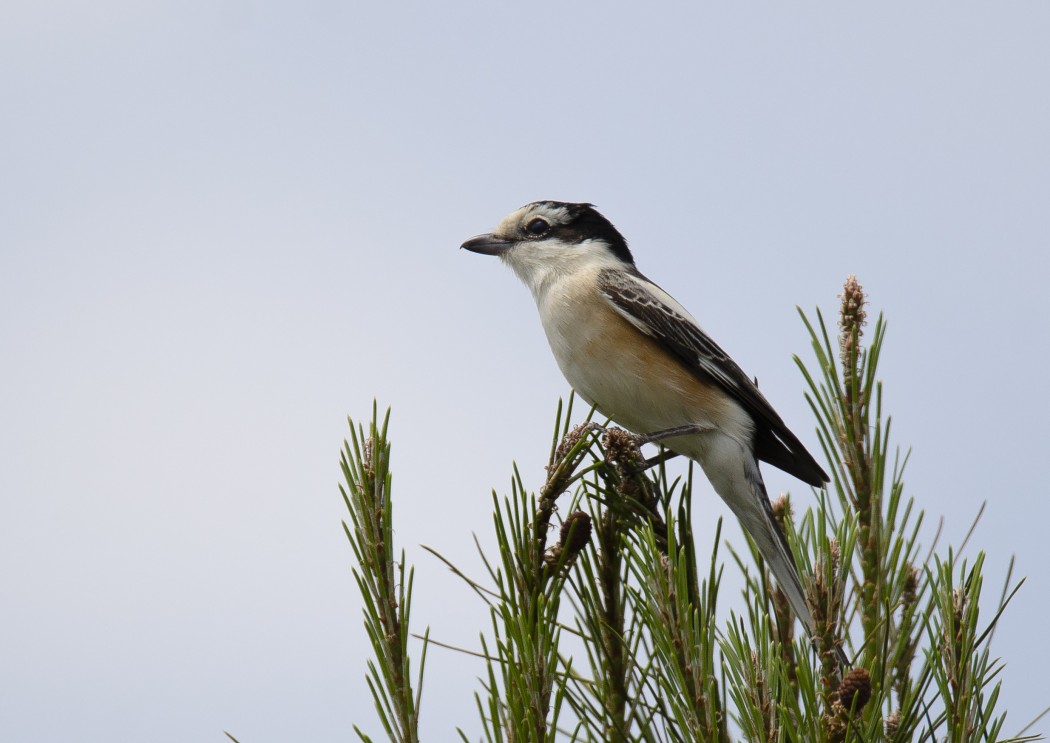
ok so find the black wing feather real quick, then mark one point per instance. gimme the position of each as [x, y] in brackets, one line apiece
[774, 443]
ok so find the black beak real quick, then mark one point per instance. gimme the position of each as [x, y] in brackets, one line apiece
[487, 245]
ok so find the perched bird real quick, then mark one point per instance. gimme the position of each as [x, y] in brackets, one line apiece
[630, 349]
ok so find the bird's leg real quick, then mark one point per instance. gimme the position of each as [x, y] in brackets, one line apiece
[657, 436]
[670, 433]
[655, 461]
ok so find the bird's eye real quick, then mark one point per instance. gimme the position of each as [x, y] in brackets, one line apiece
[537, 227]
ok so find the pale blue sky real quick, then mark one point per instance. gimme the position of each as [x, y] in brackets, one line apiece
[224, 226]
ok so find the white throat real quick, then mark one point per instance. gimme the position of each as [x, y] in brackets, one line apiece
[541, 265]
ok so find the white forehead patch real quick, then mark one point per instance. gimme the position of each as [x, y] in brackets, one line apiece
[509, 225]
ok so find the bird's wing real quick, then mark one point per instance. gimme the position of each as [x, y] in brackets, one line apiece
[657, 314]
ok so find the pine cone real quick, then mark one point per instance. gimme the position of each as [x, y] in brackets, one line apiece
[855, 689]
[579, 535]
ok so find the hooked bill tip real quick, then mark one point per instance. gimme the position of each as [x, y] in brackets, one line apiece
[487, 245]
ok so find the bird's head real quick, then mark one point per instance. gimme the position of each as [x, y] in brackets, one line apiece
[550, 238]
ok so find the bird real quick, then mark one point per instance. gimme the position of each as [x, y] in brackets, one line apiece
[635, 353]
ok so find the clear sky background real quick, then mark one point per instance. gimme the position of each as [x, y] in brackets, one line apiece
[224, 226]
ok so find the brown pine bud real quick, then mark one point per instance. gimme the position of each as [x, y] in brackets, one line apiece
[911, 585]
[570, 440]
[892, 723]
[575, 532]
[782, 510]
[855, 689]
[621, 448]
[851, 318]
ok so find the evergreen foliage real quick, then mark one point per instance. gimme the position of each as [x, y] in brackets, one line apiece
[608, 632]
